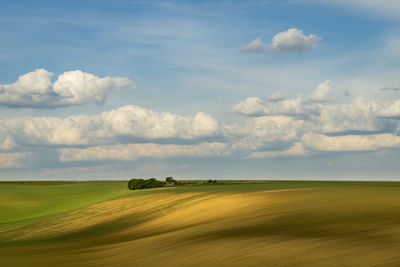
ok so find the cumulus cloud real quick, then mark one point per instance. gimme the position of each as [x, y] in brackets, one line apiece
[277, 105]
[127, 121]
[315, 123]
[131, 152]
[265, 131]
[141, 122]
[323, 115]
[36, 89]
[359, 115]
[251, 106]
[374, 142]
[291, 41]
[391, 110]
[272, 127]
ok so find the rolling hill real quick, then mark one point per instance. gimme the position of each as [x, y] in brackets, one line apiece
[267, 224]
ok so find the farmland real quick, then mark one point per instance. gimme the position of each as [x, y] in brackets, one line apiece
[233, 224]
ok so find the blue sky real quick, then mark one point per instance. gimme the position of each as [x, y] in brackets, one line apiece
[296, 89]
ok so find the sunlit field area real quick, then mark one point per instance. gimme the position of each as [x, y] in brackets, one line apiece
[273, 223]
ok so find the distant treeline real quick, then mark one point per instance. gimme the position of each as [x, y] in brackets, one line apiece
[139, 183]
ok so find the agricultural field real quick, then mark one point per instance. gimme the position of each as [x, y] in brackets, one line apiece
[265, 223]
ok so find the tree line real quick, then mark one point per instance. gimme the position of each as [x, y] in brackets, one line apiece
[139, 183]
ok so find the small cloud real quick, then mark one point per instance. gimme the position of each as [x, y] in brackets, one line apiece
[291, 41]
[275, 97]
[255, 46]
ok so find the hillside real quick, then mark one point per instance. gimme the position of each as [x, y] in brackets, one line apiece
[276, 223]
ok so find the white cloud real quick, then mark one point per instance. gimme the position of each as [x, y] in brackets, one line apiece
[129, 152]
[255, 106]
[305, 125]
[74, 130]
[265, 131]
[312, 123]
[291, 41]
[251, 106]
[36, 90]
[130, 121]
[141, 122]
[359, 115]
[255, 46]
[374, 142]
[390, 110]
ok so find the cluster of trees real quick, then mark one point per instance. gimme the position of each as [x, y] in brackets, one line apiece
[139, 183]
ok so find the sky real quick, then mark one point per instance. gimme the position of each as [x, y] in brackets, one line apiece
[296, 89]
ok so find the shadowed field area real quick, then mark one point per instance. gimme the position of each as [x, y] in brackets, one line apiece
[263, 224]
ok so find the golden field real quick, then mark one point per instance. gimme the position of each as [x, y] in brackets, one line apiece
[263, 224]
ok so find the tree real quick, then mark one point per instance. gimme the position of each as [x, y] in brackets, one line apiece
[170, 180]
[153, 182]
[134, 184]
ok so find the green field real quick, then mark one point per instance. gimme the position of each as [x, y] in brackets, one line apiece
[276, 223]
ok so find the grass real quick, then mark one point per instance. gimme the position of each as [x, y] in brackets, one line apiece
[23, 202]
[275, 223]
